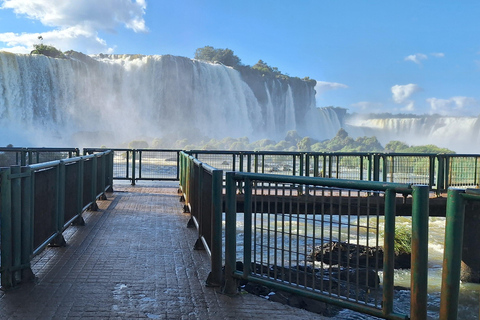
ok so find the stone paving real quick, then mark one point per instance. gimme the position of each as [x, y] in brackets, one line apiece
[133, 259]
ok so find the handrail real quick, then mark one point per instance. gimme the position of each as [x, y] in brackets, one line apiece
[419, 239]
[38, 202]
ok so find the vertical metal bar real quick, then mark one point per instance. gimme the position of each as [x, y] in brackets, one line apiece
[361, 167]
[80, 179]
[389, 256]
[419, 268]
[247, 225]
[178, 165]
[93, 193]
[307, 165]
[241, 162]
[133, 167]
[452, 255]
[16, 213]
[392, 167]
[140, 164]
[27, 223]
[230, 234]
[60, 214]
[127, 165]
[215, 277]
[6, 229]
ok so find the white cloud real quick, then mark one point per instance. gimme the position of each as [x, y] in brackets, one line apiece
[454, 105]
[323, 86]
[402, 92]
[75, 23]
[438, 54]
[417, 58]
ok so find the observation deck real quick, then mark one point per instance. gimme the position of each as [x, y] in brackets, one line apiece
[133, 259]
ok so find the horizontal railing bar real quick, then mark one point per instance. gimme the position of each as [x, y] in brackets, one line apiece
[339, 183]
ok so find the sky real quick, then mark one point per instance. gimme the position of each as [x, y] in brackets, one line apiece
[415, 57]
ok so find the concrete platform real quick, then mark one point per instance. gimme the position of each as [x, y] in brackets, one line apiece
[133, 259]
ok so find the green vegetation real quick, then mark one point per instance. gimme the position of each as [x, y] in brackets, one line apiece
[294, 142]
[138, 144]
[398, 146]
[48, 51]
[403, 240]
[402, 243]
[228, 58]
[224, 56]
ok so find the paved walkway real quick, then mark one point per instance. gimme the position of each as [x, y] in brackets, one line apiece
[133, 259]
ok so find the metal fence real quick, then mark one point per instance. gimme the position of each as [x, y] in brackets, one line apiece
[329, 243]
[10, 156]
[201, 185]
[454, 249]
[143, 164]
[38, 202]
[327, 239]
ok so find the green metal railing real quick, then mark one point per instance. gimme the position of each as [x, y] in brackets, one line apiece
[280, 232]
[10, 156]
[438, 171]
[38, 202]
[455, 227]
[201, 185]
[143, 164]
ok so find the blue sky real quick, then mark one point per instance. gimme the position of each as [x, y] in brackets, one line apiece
[406, 56]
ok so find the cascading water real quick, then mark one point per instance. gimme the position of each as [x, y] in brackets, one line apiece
[113, 99]
[459, 134]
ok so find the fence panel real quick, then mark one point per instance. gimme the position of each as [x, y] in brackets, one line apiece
[330, 242]
[38, 202]
[463, 171]
[45, 205]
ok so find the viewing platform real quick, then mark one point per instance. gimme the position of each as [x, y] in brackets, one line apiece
[133, 259]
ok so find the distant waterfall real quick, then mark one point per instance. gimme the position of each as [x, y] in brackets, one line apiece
[110, 99]
[460, 134]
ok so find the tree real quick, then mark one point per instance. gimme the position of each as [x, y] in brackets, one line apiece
[395, 146]
[48, 51]
[224, 56]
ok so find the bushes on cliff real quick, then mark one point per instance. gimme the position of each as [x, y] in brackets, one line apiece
[224, 56]
[49, 51]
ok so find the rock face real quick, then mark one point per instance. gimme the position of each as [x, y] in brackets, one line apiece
[355, 256]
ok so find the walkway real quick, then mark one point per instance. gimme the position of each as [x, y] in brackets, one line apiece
[132, 260]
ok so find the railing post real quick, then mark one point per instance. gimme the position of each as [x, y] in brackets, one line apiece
[6, 229]
[376, 167]
[389, 256]
[215, 276]
[27, 223]
[133, 166]
[93, 194]
[139, 164]
[59, 214]
[452, 255]
[419, 268]
[230, 286]
[16, 200]
[110, 158]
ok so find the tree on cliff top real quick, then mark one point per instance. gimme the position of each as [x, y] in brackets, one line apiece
[224, 56]
[49, 51]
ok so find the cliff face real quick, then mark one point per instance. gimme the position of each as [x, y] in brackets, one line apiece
[134, 96]
[282, 94]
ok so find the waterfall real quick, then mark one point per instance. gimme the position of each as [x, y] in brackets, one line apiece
[110, 99]
[460, 134]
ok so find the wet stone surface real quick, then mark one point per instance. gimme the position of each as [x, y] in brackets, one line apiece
[133, 259]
